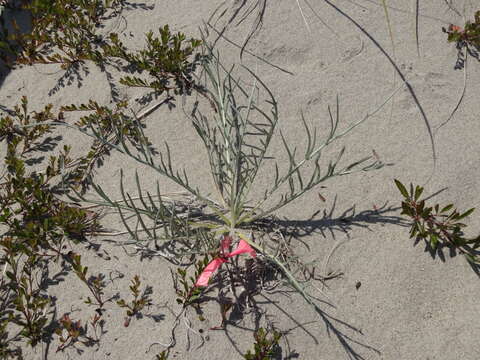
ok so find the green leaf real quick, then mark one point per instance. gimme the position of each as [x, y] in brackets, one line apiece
[466, 213]
[418, 192]
[413, 230]
[446, 208]
[472, 259]
[407, 209]
[194, 298]
[402, 188]
[425, 213]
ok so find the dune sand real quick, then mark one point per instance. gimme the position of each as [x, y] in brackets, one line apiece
[394, 300]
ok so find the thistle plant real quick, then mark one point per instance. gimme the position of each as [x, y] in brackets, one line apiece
[440, 226]
[236, 135]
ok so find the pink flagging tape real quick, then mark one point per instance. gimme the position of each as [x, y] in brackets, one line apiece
[213, 266]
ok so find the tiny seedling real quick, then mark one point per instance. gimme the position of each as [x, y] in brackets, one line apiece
[265, 346]
[184, 285]
[162, 356]
[95, 284]
[438, 225]
[140, 300]
[70, 332]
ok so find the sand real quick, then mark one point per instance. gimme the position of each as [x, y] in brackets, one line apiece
[394, 300]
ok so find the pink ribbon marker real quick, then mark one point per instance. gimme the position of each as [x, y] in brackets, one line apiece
[213, 266]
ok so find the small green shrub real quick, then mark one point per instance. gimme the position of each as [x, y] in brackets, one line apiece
[140, 300]
[438, 225]
[37, 225]
[266, 345]
[62, 31]
[166, 59]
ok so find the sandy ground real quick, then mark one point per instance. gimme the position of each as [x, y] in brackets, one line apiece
[409, 305]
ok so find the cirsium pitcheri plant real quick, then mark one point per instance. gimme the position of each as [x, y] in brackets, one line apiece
[236, 133]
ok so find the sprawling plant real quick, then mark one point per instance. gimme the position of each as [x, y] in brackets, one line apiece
[62, 32]
[36, 225]
[70, 32]
[265, 347]
[236, 132]
[167, 59]
[439, 226]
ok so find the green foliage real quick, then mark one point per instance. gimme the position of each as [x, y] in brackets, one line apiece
[265, 346]
[70, 332]
[140, 300]
[467, 38]
[438, 225]
[28, 303]
[162, 356]
[95, 284]
[28, 203]
[36, 225]
[6, 349]
[62, 31]
[166, 59]
[237, 130]
[236, 134]
[66, 32]
[113, 124]
[470, 34]
[184, 285]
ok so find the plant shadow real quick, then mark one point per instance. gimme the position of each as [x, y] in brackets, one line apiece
[441, 249]
[243, 304]
[462, 50]
[330, 223]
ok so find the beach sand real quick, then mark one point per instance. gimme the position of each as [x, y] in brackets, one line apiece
[394, 300]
